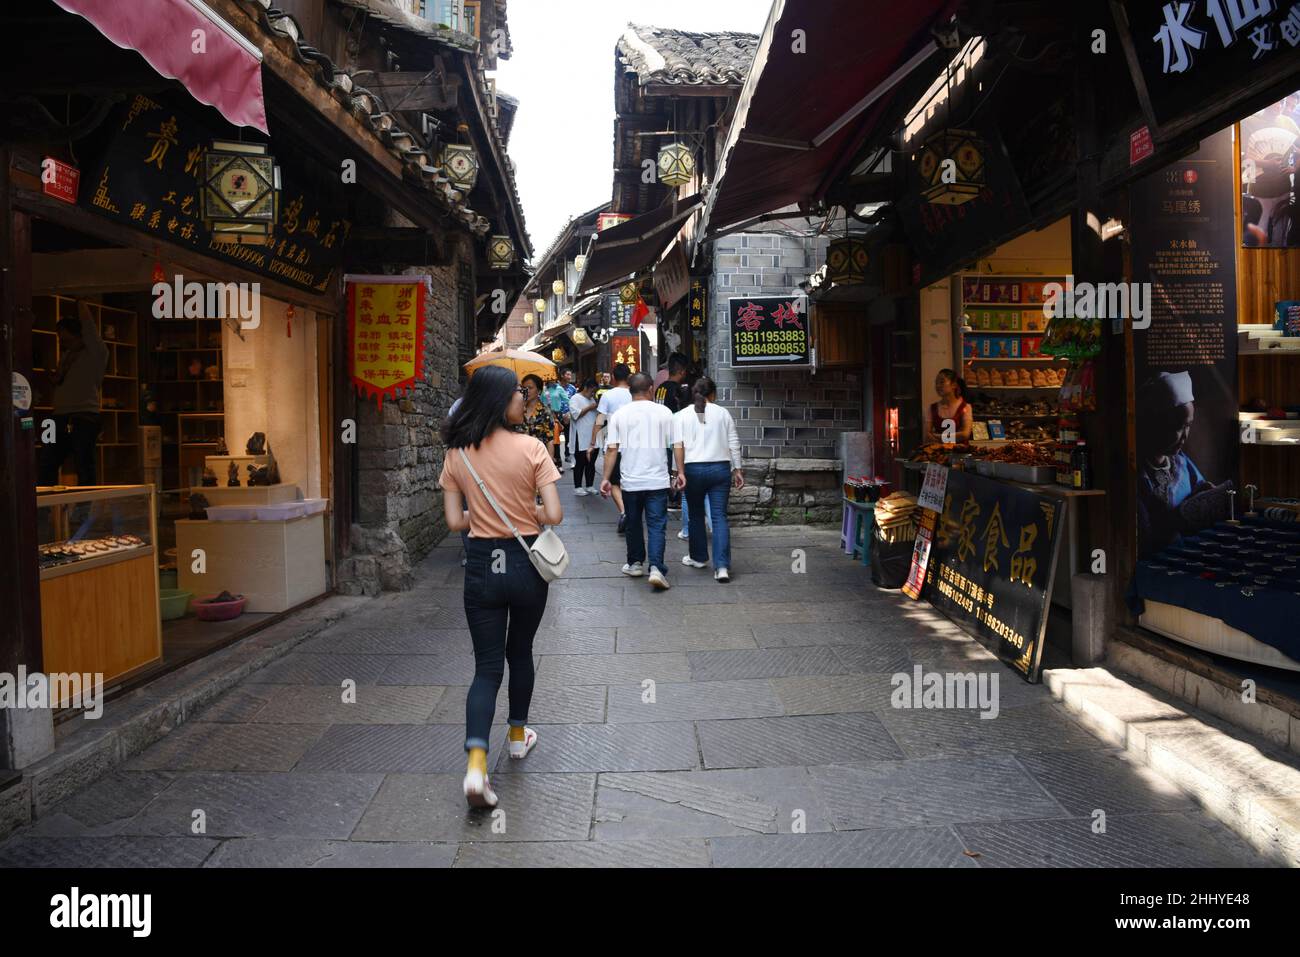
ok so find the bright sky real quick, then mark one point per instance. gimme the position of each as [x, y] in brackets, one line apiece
[562, 73]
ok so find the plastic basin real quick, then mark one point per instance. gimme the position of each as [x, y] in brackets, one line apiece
[175, 602]
[208, 610]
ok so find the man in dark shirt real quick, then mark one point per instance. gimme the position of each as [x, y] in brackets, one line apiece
[669, 395]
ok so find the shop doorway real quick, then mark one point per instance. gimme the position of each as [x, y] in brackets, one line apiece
[203, 472]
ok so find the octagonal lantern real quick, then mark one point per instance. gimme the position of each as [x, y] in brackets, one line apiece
[460, 163]
[676, 165]
[846, 261]
[501, 252]
[951, 165]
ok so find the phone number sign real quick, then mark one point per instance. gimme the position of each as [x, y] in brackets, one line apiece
[769, 332]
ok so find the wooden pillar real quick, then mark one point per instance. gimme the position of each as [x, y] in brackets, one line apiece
[20, 625]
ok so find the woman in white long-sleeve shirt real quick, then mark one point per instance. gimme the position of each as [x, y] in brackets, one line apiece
[707, 450]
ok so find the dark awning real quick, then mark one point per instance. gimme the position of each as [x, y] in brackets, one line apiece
[804, 114]
[623, 250]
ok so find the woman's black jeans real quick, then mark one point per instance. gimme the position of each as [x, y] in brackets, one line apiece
[584, 471]
[505, 599]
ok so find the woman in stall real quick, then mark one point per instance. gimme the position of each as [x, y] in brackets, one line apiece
[952, 407]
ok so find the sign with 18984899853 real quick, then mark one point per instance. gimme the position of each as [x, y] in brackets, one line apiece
[769, 332]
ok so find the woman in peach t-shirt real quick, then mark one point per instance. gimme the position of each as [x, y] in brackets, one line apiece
[505, 598]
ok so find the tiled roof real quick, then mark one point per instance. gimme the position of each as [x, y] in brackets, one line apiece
[370, 109]
[659, 55]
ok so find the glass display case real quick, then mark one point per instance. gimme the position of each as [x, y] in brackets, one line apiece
[83, 527]
[99, 579]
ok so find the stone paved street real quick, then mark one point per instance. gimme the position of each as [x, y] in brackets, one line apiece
[771, 716]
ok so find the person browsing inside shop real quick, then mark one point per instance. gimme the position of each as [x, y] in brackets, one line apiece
[83, 359]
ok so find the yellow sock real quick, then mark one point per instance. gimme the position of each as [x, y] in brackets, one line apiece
[516, 734]
[478, 760]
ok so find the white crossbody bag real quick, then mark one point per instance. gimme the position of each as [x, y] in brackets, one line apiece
[547, 553]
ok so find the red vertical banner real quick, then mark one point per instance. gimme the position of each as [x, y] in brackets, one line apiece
[386, 320]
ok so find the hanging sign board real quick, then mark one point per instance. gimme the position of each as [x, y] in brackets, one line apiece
[386, 333]
[672, 276]
[769, 332]
[992, 564]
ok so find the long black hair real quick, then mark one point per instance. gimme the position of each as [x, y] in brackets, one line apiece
[701, 391]
[960, 383]
[483, 410]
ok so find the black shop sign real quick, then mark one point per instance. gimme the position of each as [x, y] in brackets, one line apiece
[993, 563]
[769, 332]
[1194, 53]
[148, 178]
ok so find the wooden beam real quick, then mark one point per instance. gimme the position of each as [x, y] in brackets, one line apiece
[415, 91]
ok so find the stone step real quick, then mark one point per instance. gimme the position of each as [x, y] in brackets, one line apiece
[1248, 782]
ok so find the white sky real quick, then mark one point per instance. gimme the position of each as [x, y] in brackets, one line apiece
[562, 73]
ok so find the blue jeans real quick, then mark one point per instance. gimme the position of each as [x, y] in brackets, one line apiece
[708, 484]
[503, 607]
[686, 513]
[654, 506]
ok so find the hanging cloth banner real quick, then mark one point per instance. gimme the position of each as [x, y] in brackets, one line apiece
[386, 333]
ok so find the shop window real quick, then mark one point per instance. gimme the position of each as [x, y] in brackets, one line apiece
[472, 18]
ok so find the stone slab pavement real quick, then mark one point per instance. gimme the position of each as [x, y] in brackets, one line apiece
[743, 724]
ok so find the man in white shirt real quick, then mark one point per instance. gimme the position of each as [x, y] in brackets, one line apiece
[610, 402]
[638, 433]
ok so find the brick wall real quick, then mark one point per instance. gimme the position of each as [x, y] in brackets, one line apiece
[788, 420]
[400, 455]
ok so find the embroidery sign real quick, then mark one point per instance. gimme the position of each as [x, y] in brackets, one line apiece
[386, 333]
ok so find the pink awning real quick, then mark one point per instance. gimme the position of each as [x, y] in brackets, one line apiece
[226, 75]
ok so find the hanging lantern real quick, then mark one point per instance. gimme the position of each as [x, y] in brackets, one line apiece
[846, 261]
[951, 165]
[540, 306]
[558, 355]
[288, 321]
[158, 274]
[580, 263]
[676, 165]
[629, 293]
[501, 252]
[580, 337]
[528, 318]
[460, 163]
[239, 195]
[557, 287]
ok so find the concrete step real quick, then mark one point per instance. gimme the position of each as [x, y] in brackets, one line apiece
[1250, 783]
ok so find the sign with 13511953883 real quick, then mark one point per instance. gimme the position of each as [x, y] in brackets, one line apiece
[769, 332]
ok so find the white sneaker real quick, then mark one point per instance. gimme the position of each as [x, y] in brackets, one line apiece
[478, 792]
[580, 491]
[634, 570]
[658, 579]
[520, 749]
[722, 575]
[687, 560]
[684, 535]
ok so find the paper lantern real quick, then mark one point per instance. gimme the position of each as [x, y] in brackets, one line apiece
[558, 355]
[580, 263]
[629, 294]
[580, 337]
[557, 287]
[676, 165]
[501, 252]
[239, 195]
[528, 318]
[540, 306]
[951, 165]
[846, 261]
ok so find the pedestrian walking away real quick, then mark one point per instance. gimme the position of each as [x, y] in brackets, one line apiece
[582, 409]
[707, 449]
[613, 400]
[504, 596]
[557, 400]
[668, 393]
[638, 433]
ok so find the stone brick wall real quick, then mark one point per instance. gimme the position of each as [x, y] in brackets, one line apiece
[788, 420]
[400, 455]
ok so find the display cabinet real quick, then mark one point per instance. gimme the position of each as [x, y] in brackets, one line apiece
[97, 552]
